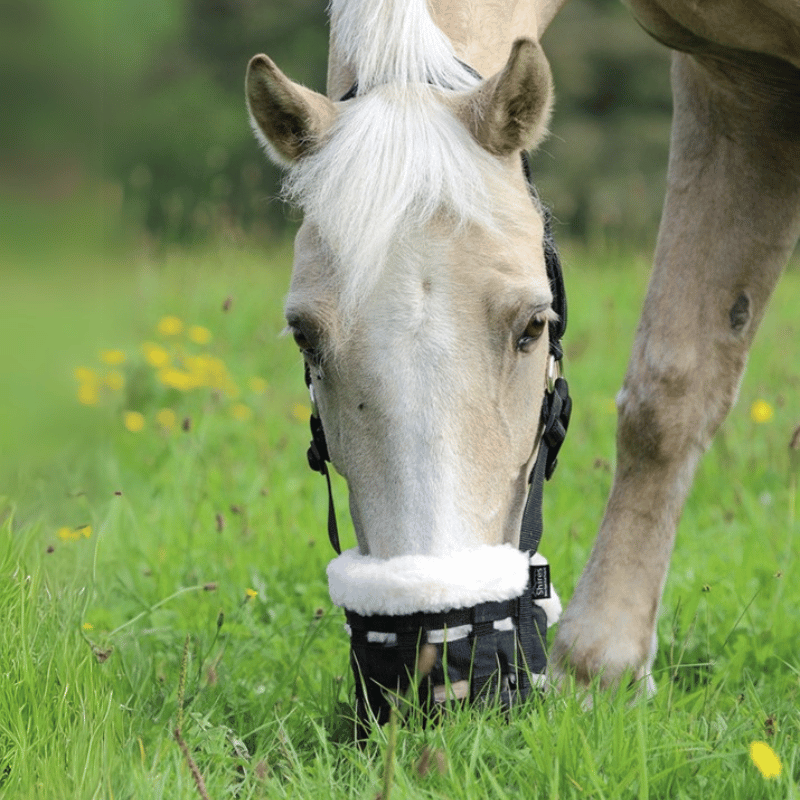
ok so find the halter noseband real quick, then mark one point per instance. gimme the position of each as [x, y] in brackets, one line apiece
[492, 649]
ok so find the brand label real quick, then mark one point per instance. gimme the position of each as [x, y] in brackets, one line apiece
[540, 581]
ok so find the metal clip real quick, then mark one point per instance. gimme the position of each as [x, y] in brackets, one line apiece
[552, 374]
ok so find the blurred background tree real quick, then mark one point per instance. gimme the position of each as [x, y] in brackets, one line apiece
[146, 96]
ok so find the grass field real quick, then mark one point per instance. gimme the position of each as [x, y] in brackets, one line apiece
[163, 551]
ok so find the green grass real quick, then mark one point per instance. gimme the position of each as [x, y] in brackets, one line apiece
[184, 523]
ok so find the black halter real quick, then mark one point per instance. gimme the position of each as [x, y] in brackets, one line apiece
[556, 406]
[490, 661]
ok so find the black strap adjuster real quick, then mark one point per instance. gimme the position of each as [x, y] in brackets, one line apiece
[556, 411]
[318, 449]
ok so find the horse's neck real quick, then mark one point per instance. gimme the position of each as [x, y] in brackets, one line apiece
[481, 31]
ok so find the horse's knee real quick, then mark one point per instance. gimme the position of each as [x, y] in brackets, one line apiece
[650, 408]
[677, 402]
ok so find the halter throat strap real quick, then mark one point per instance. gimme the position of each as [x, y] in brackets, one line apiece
[556, 403]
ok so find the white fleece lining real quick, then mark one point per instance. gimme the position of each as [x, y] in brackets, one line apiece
[408, 584]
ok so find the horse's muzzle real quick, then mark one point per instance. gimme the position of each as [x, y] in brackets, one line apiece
[491, 652]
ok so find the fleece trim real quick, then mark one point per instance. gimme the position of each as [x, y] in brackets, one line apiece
[414, 583]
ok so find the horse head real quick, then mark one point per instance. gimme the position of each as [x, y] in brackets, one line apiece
[421, 304]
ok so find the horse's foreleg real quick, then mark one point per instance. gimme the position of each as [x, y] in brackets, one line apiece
[731, 218]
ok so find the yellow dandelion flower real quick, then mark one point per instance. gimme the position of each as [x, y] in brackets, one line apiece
[249, 594]
[133, 421]
[301, 412]
[176, 379]
[240, 412]
[68, 534]
[170, 326]
[207, 370]
[766, 759]
[197, 366]
[199, 335]
[114, 379]
[155, 355]
[112, 357]
[211, 371]
[611, 406]
[85, 531]
[84, 375]
[87, 626]
[761, 411]
[87, 394]
[257, 385]
[166, 418]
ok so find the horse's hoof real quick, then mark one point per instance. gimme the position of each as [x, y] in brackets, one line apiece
[591, 651]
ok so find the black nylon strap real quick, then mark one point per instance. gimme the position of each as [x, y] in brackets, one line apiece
[555, 274]
[333, 528]
[350, 93]
[556, 404]
[556, 411]
[317, 457]
[532, 527]
[483, 613]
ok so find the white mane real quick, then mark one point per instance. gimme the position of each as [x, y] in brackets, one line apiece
[395, 41]
[397, 155]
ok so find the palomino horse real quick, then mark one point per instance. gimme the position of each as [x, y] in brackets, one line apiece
[421, 301]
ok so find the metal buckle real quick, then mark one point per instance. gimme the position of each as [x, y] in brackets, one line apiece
[552, 374]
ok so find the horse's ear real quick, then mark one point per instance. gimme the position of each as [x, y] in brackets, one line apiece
[510, 111]
[288, 119]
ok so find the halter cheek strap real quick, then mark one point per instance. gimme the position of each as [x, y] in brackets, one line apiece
[317, 459]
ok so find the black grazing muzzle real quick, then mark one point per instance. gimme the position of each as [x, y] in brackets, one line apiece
[493, 651]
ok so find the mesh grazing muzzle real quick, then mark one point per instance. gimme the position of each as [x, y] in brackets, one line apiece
[500, 659]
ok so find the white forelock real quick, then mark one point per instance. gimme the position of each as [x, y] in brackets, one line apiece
[393, 160]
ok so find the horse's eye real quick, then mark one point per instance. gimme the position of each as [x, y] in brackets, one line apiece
[300, 339]
[532, 333]
[305, 344]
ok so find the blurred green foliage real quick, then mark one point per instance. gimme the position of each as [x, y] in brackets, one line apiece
[603, 169]
[147, 96]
